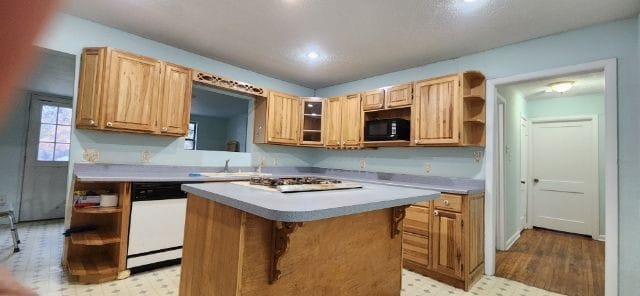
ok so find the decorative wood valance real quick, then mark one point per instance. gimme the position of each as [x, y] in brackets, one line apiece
[228, 84]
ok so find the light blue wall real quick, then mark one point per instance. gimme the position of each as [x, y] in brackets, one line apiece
[237, 130]
[611, 40]
[592, 104]
[212, 132]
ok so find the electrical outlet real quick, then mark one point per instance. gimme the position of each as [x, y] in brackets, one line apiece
[146, 156]
[90, 155]
[362, 164]
[427, 167]
[477, 156]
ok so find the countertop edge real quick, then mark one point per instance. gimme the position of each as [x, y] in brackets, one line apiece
[306, 216]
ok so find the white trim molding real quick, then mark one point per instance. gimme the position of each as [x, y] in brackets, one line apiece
[513, 239]
[609, 67]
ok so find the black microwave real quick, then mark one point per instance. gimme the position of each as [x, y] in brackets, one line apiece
[386, 129]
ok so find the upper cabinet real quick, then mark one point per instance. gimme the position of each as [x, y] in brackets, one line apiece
[283, 118]
[312, 122]
[373, 99]
[125, 92]
[343, 126]
[399, 96]
[132, 93]
[450, 110]
[436, 111]
[175, 108]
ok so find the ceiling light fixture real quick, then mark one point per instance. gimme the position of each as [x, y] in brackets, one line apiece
[561, 86]
[313, 55]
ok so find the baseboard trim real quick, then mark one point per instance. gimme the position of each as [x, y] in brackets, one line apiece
[512, 240]
[601, 238]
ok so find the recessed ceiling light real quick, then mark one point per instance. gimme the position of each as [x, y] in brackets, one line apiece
[561, 86]
[313, 55]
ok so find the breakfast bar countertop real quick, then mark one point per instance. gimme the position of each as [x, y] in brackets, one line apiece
[309, 206]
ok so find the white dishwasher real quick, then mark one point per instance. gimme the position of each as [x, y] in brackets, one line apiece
[156, 230]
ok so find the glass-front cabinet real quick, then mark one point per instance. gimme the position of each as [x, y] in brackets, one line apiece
[312, 121]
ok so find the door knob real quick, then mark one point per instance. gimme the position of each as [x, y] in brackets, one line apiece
[536, 180]
[164, 129]
[436, 213]
[109, 124]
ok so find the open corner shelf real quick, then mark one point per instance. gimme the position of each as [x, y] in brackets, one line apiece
[474, 98]
[395, 143]
[95, 238]
[92, 265]
[108, 210]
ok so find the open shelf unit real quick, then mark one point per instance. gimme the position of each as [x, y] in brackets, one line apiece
[312, 122]
[99, 255]
[400, 112]
[473, 108]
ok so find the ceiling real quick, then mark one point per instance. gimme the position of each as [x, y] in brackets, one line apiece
[354, 39]
[211, 102]
[584, 83]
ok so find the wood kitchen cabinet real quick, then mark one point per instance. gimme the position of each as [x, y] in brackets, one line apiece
[444, 239]
[311, 131]
[399, 96]
[450, 110]
[125, 92]
[373, 99]
[343, 126]
[175, 101]
[276, 119]
[436, 111]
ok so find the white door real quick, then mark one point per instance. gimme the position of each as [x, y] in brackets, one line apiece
[47, 158]
[524, 171]
[565, 176]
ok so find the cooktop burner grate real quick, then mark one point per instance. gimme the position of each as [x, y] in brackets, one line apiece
[274, 182]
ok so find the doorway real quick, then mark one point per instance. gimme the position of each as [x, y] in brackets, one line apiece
[584, 132]
[46, 160]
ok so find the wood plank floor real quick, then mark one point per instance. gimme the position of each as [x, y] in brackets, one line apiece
[559, 262]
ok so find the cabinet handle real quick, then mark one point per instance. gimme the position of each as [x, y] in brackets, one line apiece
[92, 123]
[446, 202]
[436, 213]
[164, 129]
[416, 140]
[109, 124]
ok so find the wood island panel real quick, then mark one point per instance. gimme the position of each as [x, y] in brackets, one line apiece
[228, 252]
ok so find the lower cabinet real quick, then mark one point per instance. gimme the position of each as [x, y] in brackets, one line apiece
[444, 239]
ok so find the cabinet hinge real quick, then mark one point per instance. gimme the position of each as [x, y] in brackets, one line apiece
[462, 267]
[462, 223]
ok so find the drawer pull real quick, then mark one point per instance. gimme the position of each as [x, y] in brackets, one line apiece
[436, 213]
[164, 129]
[92, 123]
[446, 202]
[109, 124]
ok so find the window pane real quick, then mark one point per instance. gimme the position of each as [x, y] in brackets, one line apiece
[62, 152]
[188, 145]
[64, 116]
[63, 134]
[47, 133]
[45, 151]
[49, 114]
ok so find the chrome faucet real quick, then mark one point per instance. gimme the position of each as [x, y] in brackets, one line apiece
[226, 166]
[260, 163]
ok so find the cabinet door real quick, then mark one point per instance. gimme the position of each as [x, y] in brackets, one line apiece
[176, 100]
[399, 96]
[283, 118]
[311, 131]
[333, 122]
[416, 220]
[446, 236]
[131, 100]
[373, 99]
[436, 111]
[415, 250]
[90, 87]
[351, 121]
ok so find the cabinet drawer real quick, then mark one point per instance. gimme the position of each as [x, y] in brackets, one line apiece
[416, 220]
[415, 248]
[448, 202]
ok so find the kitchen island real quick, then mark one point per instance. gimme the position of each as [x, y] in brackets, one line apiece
[246, 240]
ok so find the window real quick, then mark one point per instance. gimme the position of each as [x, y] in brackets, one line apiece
[55, 133]
[190, 142]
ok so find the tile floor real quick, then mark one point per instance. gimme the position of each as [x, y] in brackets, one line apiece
[38, 266]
